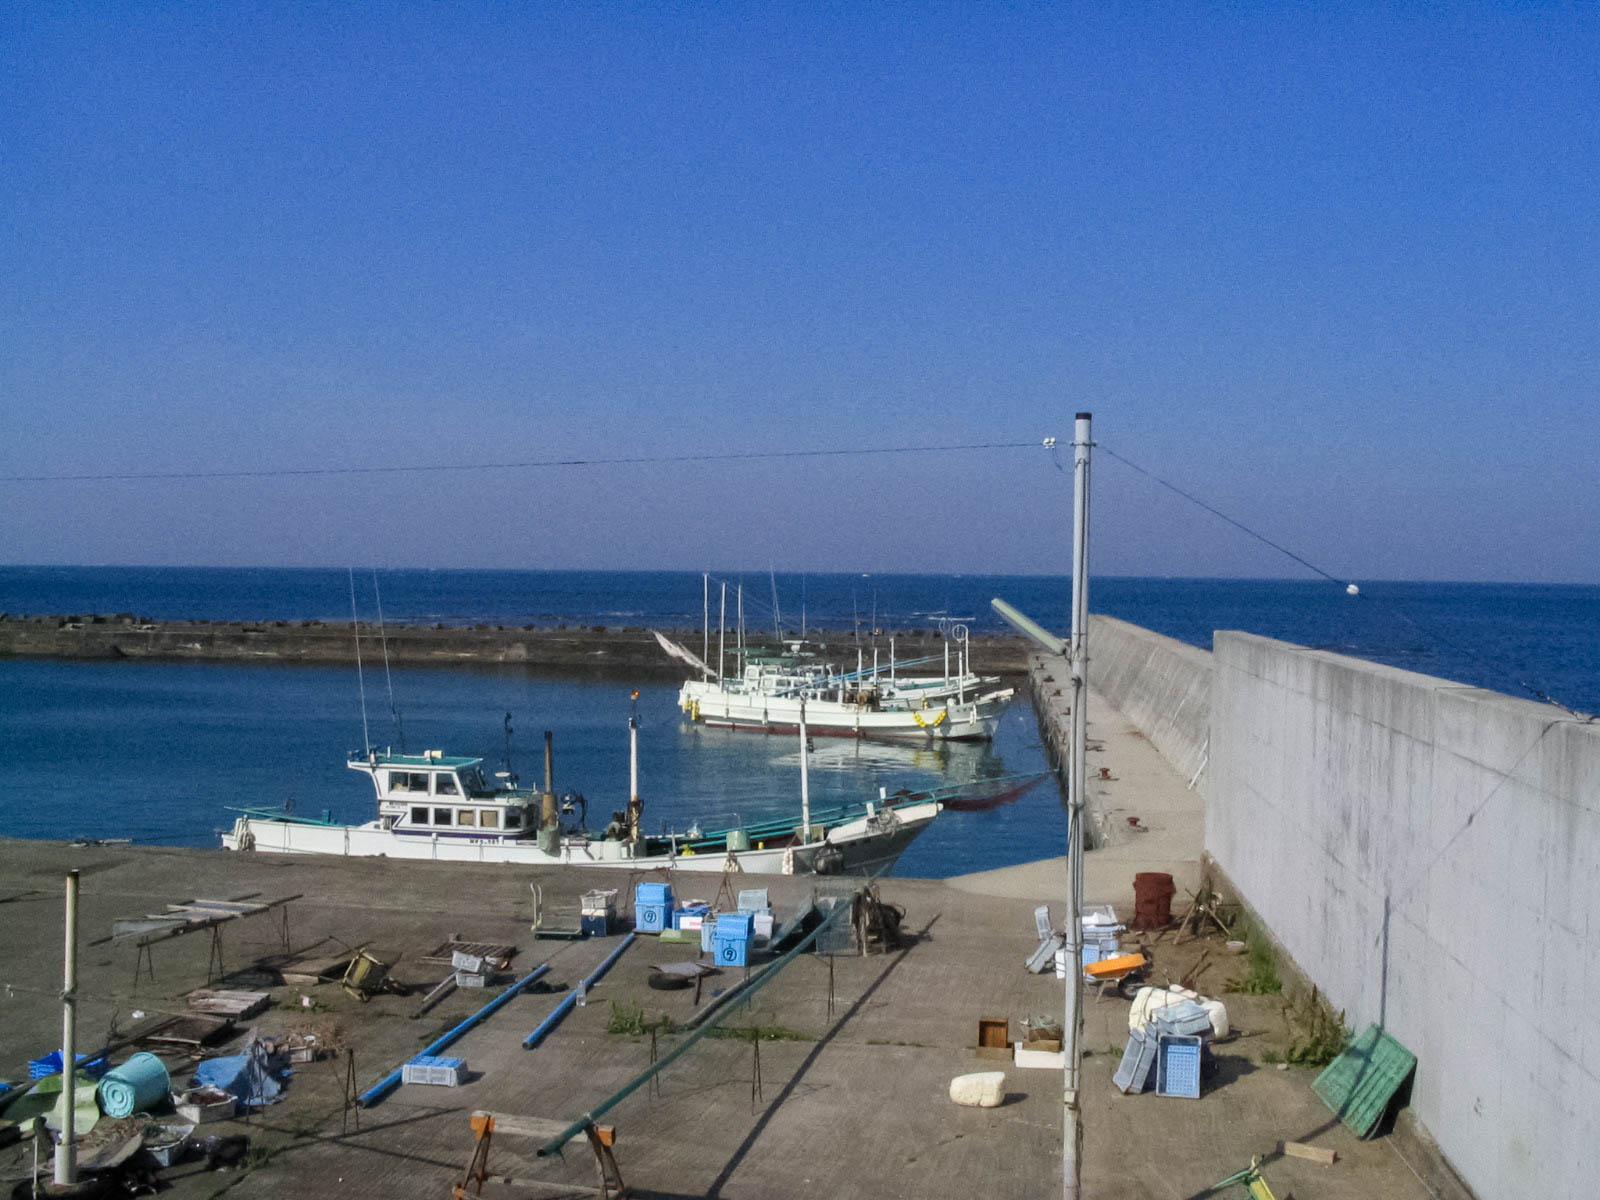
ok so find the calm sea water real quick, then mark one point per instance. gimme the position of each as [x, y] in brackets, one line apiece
[160, 752]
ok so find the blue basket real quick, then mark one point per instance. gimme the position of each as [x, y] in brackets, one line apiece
[736, 925]
[730, 951]
[652, 893]
[650, 917]
[50, 1064]
[1137, 1069]
[1178, 1067]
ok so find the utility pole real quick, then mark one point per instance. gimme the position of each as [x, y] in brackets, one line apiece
[66, 1173]
[1072, 1116]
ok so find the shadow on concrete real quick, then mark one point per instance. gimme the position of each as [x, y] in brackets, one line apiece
[909, 942]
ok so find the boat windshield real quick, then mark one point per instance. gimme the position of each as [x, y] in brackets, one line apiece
[472, 780]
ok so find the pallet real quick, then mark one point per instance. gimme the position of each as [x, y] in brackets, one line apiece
[216, 1002]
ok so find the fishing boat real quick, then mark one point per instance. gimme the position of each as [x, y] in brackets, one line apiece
[779, 691]
[440, 807]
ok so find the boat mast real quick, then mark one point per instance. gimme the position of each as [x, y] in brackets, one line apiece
[1072, 1117]
[705, 617]
[361, 679]
[722, 638]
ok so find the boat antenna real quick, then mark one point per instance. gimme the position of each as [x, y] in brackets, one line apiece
[512, 779]
[383, 638]
[361, 679]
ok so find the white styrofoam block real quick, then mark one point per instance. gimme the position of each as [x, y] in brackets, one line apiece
[1051, 1060]
[981, 1089]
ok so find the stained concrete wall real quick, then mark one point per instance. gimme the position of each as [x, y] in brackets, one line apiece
[1162, 685]
[1429, 853]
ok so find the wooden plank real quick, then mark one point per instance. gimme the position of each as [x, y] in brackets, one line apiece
[233, 1004]
[1314, 1153]
[542, 1128]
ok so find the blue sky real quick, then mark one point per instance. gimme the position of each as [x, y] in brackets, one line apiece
[1334, 268]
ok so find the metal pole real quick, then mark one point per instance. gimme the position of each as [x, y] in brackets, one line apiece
[722, 638]
[633, 754]
[705, 617]
[805, 780]
[66, 1172]
[805, 783]
[1072, 1117]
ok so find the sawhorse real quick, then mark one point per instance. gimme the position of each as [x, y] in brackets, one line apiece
[486, 1124]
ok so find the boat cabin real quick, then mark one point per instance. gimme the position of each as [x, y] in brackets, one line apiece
[432, 793]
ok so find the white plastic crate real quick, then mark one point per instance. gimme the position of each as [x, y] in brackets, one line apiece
[444, 1072]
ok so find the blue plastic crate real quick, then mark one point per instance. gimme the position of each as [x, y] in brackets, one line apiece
[730, 951]
[736, 925]
[1178, 1066]
[650, 917]
[691, 911]
[1137, 1069]
[50, 1064]
[652, 893]
[1186, 1018]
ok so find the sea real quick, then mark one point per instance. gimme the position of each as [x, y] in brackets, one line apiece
[163, 753]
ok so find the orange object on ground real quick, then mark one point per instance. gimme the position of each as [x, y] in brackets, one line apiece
[1110, 968]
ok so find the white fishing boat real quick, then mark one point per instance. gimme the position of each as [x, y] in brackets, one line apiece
[774, 691]
[438, 807]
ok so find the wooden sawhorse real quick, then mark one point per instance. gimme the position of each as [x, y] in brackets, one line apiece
[486, 1124]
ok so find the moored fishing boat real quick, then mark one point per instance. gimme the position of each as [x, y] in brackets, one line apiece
[438, 807]
[780, 691]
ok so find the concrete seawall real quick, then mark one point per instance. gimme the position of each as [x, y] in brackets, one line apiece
[1161, 684]
[1425, 852]
[1428, 853]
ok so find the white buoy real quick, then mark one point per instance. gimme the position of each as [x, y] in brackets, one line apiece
[1352, 590]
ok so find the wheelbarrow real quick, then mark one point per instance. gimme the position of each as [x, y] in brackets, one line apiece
[1126, 973]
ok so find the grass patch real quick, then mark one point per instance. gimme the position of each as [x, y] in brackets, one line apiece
[760, 1033]
[1261, 962]
[1320, 1034]
[629, 1020]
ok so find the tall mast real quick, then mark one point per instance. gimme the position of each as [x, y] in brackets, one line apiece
[361, 679]
[1072, 1117]
[722, 637]
[705, 617]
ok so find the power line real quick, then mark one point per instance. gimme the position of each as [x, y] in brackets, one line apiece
[1389, 606]
[525, 464]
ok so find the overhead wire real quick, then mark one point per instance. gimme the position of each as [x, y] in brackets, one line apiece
[1388, 606]
[519, 464]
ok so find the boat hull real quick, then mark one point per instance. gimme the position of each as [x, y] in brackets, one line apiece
[954, 721]
[861, 846]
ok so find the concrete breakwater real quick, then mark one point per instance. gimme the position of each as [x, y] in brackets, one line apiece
[1424, 852]
[593, 649]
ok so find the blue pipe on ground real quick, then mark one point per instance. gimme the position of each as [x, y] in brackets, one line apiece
[391, 1081]
[562, 1009]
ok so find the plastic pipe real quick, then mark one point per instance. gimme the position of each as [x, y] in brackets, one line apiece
[391, 1081]
[562, 1009]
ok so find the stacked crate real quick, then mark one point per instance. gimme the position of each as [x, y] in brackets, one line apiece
[730, 947]
[652, 907]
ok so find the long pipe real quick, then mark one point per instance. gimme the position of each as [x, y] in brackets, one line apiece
[571, 998]
[554, 1145]
[66, 1172]
[391, 1081]
[1072, 1116]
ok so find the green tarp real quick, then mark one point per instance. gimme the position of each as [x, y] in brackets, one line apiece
[1360, 1083]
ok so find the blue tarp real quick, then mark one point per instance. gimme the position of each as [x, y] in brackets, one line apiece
[245, 1076]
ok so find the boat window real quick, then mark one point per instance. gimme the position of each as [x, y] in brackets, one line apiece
[419, 816]
[445, 785]
[473, 782]
[489, 819]
[398, 781]
[466, 816]
[513, 818]
[418, 782]
[441, 816]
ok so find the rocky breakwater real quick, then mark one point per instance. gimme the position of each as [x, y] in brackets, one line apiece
[631, 651]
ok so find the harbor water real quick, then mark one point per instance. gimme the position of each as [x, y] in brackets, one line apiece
[161, 752]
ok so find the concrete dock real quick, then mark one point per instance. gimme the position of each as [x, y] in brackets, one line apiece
[851, 1102]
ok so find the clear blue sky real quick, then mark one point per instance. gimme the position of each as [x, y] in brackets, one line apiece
[1334, 267]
